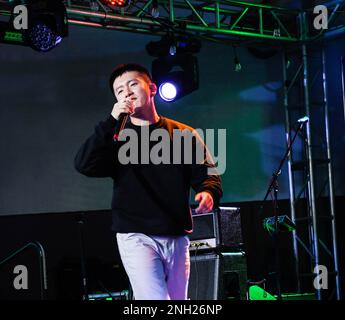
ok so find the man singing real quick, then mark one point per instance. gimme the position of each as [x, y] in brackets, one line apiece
[150, 206]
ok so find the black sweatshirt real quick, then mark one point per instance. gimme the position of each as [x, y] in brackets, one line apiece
[147, 198]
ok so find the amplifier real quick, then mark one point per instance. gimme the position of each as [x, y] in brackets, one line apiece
[220, 228]
[218, 276]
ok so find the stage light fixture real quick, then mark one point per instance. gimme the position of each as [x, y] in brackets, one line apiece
[116, 3]
[237, 63]
[167, 91]
[154, 9]
[173, 44]
[284, 224]
[47, 25]
[42, 37]
[94, 5]
[175, 76]
[172, 49]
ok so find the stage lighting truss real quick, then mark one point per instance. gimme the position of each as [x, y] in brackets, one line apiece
[221, 21]
[175, 76]
[47, 24]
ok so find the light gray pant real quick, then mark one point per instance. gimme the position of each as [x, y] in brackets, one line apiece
[157, 266]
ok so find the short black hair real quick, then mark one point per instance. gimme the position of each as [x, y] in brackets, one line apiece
[123, 68]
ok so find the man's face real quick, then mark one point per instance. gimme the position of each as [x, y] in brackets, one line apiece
[135, 87]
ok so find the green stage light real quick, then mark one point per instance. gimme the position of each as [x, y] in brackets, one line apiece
[284, 224]
[257, 293]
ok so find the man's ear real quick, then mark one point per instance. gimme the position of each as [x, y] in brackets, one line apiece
[153, 89]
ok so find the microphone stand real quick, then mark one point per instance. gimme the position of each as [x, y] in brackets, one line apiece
[274, 186]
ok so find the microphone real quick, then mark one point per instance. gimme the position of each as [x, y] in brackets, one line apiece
[120, 125]
[303, 120]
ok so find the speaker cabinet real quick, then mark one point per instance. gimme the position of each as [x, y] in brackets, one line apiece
[218, 276]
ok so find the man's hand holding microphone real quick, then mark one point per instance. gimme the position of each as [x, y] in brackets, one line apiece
[121, 112]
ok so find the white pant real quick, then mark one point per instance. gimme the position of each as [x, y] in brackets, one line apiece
[157, 266]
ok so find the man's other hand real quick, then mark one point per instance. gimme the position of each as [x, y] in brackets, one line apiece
[205, 202]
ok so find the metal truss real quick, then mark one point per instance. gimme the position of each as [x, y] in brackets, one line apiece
[310, 167]
[222, 21]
